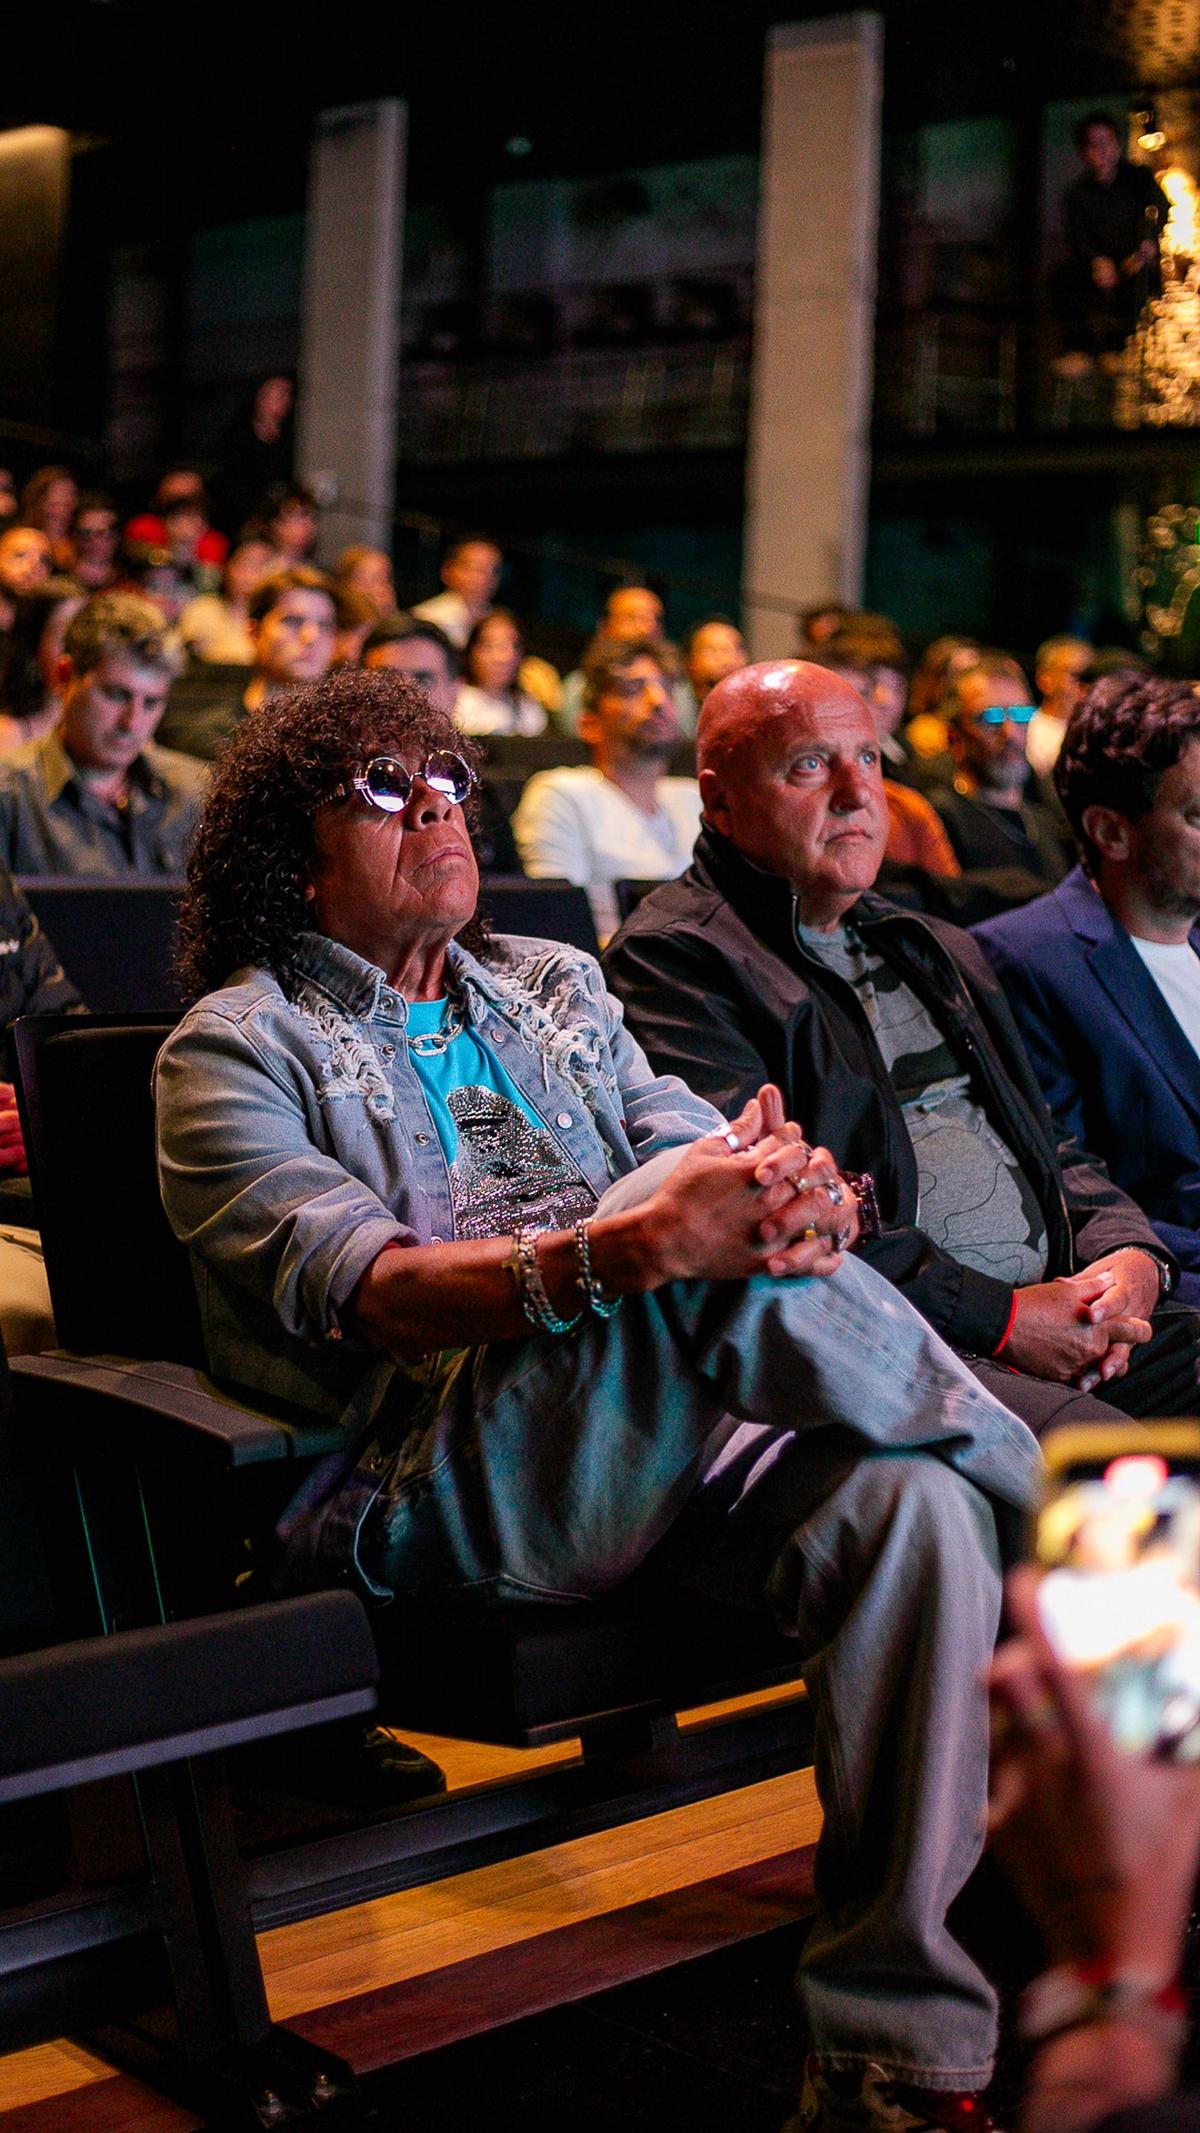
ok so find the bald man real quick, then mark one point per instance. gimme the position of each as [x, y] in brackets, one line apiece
[771, 959]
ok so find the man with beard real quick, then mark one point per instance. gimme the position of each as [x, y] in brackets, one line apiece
[619, 818]
[994, 813]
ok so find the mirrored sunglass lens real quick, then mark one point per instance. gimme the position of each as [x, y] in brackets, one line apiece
[388, 783]
[447, 773]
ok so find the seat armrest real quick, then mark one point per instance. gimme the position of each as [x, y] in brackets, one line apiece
[172, 1396]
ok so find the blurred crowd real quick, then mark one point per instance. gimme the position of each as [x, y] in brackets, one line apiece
[131, 646]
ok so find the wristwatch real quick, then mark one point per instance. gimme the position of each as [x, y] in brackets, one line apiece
[1166, 1274]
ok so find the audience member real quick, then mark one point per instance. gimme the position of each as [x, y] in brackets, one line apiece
[407, 643]
[633, 614]
[215, 627]
[367, 572]
[30, 659]
[619, 817]
[410, 645]
[93, 795]
[1115, 212]
[711, 650]
[1102, 1847]
[292, 621]
[815, 624]
[1103, 975]
[32, 982]
[95, 540]
[873, 662]
[721, 1398]
[48, 502]
[491, 699]
[891, 1041]
[180, 523]
[256, 452]
[290, 522]
[356, 619]
[25, 559]
[96, 797]
[470, 574]
[994, 811]
[1058, 672]
[926, 733]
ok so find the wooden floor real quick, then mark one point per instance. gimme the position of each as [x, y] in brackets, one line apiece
[406, 1973]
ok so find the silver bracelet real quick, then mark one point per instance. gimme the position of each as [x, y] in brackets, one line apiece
[603, 1306]
[535, 1301]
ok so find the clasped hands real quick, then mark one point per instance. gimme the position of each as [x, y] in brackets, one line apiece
[1082, 1329]
[753, 1198]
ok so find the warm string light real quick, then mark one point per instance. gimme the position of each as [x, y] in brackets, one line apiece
[1168, 573]
[1159, 382]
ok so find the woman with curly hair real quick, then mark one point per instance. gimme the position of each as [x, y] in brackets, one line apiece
[431, 1186]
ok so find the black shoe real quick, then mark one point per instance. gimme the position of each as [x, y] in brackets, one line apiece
[364, 1768]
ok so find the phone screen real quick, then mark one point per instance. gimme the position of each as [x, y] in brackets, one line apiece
[1118, 1540]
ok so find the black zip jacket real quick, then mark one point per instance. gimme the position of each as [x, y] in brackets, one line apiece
[718, 990]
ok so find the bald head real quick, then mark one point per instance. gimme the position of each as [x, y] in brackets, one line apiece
[790, 773]
[746, 706]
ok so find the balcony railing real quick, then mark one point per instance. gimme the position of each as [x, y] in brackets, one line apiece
[577, 403]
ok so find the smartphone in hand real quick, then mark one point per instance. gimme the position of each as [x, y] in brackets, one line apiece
[1117, 1537]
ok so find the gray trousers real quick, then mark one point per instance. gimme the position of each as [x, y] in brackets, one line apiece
[862, 1507]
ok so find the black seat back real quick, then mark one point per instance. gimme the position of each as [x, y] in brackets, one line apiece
[83, 1084]
[114, 939]
[549, 910]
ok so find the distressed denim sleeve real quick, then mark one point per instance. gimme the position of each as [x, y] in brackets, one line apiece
[659, 1110]
[244, 1184]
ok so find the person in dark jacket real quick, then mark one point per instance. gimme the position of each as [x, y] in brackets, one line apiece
[1114, 214]
[893, 1044]
[1103, 976]
[32, 982]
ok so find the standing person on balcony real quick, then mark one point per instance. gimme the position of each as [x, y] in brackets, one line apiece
[1114, 214]
[471, 570]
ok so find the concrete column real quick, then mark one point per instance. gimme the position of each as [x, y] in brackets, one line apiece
[350, 319]
[808, 459]
[34, 188]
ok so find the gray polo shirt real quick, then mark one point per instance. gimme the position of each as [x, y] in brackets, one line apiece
[52, 823]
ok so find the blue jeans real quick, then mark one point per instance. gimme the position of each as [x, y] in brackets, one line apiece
[861, 1503]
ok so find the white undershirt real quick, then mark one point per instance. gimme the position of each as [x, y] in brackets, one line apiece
[1175, 969]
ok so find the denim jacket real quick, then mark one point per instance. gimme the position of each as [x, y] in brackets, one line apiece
[295, 1141]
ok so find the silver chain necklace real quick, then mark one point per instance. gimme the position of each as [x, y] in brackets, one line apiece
[438, 1040]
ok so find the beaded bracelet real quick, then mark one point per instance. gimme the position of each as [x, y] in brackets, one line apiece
[535, 1301]
[603, 1306]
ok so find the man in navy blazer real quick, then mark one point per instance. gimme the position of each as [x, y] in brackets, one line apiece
[1103, 975]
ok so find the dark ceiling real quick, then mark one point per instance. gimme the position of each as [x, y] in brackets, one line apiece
[216, 127]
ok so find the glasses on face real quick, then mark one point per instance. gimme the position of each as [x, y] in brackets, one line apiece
[1005, 714]
[387, 784]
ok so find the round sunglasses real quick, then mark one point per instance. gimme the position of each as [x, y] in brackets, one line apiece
[386, 783]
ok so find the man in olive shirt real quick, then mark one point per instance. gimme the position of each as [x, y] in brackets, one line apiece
[96, 797]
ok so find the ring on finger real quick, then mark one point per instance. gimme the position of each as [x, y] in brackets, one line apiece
[836, 1191]
[841, 1238]
[809, 1235]
[731, 1140]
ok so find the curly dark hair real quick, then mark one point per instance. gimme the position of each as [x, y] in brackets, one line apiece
[1128, 730]
[248, 868]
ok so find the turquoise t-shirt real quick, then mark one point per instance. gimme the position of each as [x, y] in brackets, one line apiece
[505, 1166]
